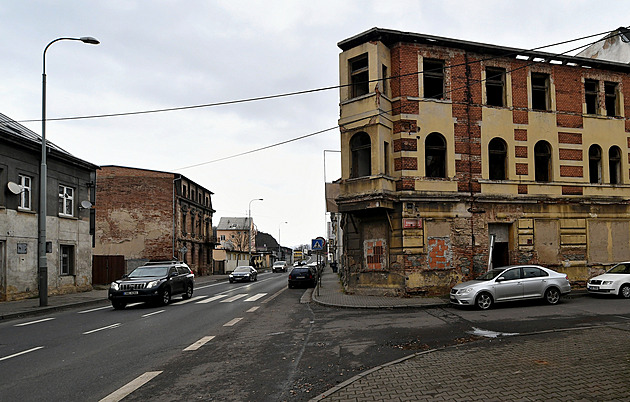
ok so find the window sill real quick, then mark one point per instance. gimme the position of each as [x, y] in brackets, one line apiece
[26, 211]
[67, 217]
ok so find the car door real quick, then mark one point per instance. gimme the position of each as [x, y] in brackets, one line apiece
[175, 280]
[508, 285]
[534, 282]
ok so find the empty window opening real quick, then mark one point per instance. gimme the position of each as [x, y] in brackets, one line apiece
[497, 157]
[359, 76]
[495, 86]
[542, 161]
[595, 164]
[66, 263]
[386, 157]
[610, 90]
[361, 155]
[540, 91]
[433, 78]
[614, 164]
[435, 155]
[591, 96]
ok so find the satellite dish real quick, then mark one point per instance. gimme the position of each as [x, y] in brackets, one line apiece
[14, 188]
[86, 204]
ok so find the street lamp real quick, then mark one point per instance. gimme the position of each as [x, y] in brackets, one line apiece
[279, 246]
[249, 229]
[43, 174]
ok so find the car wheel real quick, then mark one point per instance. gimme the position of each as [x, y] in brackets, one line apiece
[165, 296]
[118, 305]
[189, 292]
[484, 301]
[624, 291]
[552, 296]
[231, 281]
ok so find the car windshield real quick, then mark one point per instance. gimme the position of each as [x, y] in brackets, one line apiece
[619, 269]
[241, 269]
[278, 263]
[144, 272]
[300, 270]
[493, 273]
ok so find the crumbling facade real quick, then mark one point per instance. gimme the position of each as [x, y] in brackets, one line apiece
[457, 156]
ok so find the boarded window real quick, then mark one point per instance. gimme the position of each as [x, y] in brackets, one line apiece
[435, 155]
[595, 163]
[497, 157]
[542, 161]
[591, 96]
[540, 91]
[359, 76]
[433, 78]
[361, 155]
[495, 86]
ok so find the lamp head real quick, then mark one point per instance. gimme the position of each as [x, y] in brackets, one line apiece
[90, 40]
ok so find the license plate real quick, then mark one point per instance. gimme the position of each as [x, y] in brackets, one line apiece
[131, 293]
[594, 287]
[300, 277]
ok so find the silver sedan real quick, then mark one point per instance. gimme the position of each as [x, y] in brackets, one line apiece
[516, 282]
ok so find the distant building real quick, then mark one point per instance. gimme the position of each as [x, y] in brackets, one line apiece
[69, 233]
[147, 215]
[235, 241]
[458, 156]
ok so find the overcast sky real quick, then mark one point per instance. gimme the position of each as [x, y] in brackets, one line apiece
[166, 54]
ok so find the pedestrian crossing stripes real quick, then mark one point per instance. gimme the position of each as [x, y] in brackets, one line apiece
[230, 299]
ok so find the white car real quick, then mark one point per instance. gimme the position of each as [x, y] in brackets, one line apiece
[616, 281]
[279, 266]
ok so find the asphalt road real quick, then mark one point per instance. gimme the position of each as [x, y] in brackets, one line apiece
[247, 342]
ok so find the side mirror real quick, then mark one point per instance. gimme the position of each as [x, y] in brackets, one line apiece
[500, 279]
[125, 276]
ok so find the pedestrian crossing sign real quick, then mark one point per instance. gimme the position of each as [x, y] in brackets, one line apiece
[318, 244]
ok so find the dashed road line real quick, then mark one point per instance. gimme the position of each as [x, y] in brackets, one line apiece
[255, 297]
[104, 328]
[233, 298]
[153, 313]
[94, 309]
[200, 343]
[20, 353]
[251, 310]
[33, 322]
[127, 389]
[233, 322]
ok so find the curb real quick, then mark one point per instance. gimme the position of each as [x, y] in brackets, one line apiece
[50, 309]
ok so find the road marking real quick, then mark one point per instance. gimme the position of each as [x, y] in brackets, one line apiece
[101, 329]
[255, 297]
[192, 299]
[233, 322]
[200, 343]
[125, 390]
[489, 334]
[33, 322]
[233, 298]
[274, 295]
[213, 298]
[94, 309]
[155, 312]
[134, 304]
[251, 310]
[20, 353]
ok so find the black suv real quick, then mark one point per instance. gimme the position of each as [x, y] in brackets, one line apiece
[154, 281]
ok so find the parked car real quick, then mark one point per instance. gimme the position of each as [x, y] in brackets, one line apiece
[616, 281]
[516, 282]
[302, 275]
[155, 281]
[279, 266]
[244, 273]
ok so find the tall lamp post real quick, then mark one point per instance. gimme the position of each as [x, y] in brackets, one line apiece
[249, 229]
[42, 266]
[279, 246]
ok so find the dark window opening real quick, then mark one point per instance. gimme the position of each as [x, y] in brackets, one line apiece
[386, 157]
[610, 90]
[433, 78]
[66, 262]
[542, 161]
[540, 91]
[361, 155]
[359, 76]
[385, 79]
[595, 164]
[495, 86]
[435, 155]
[591, 96]
[497, 156]
[614, 164]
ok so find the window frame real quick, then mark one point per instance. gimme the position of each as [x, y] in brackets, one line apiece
[538, 168]
[495, 83]
[595, 175]
[359, 76]
[611, 98]
[64, 199]
[432, 73]
[27, 192]
[360, 155]
[495, 154]
[614, 165]
[437, 151]
[538, 91]
[67, 260]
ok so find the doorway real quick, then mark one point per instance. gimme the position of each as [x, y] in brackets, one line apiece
[499, 247]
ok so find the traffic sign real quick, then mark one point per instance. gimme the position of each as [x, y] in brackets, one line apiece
[318, 244]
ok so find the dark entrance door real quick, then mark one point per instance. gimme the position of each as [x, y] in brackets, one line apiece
[107, 268]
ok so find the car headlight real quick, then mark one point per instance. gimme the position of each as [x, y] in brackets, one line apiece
[465, 291]
[114, 286]
[153, 284]
[607, 282]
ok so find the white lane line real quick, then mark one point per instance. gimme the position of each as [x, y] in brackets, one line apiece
[192, 299]
[251, 310]
[20, 353]
[94, 309]
[213, 298]
[101, 329]
[233, 322]
[255, 297]
[125, 390]
[200, 343]
[273, 296]
[233, 298]
[155, 312]
[134, 304]
[33, 322]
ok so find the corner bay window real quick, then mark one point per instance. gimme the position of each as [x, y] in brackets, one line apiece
[66, 200]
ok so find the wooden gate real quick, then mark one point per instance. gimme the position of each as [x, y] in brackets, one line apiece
[107, 268]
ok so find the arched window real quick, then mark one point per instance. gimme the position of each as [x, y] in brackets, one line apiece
[595, 163]
[361, 155]
[497, 156]
[614, 164]
[435, 155]
[542, 161]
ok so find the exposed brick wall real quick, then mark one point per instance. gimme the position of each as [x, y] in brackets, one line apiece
[405, 184]
[571, 138]
[404, 60]
[522, 168]
[522, 188]
[570, 171]
[406, 163]
[570, 154]
[519, 91]
[520, 151]
[571, 190]
[568, 96]
[405, 144]
[520, 134]
[405, 126]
